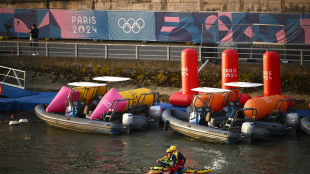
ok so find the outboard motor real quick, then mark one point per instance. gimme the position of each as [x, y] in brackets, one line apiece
[247, 130]
[127, 120]
[292, 121]
[155, 112]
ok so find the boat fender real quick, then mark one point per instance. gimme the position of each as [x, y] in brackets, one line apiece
[166, 125]
[13, 122]
[23, 120]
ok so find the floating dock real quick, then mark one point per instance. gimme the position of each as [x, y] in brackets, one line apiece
[19, 100]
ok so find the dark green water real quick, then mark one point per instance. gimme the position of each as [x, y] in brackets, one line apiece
[36, 147]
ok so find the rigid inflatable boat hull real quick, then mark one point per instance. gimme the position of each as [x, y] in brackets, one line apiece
[305, 124]
[177, 121]
[77, 124]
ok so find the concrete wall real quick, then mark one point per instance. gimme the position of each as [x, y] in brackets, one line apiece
[264, 6]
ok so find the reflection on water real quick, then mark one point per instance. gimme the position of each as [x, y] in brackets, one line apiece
[38, 148]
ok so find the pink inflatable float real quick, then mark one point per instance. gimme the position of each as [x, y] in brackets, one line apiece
[58, 103]
[106, 102]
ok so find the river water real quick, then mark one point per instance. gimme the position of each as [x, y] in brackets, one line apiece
[36, 147]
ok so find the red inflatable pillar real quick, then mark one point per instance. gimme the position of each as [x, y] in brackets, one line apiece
[189, 63]
[271, 74]
[230, 66]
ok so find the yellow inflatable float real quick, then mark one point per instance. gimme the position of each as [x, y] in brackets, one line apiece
[135, 96]
[88, 94]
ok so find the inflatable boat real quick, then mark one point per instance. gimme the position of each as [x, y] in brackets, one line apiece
[305, 124]
[275, 113]
[73, 111]
[202, 123]
[77, 124]
[219, 129]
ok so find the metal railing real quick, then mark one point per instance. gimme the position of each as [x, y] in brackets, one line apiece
[12, 77]
[247, 52]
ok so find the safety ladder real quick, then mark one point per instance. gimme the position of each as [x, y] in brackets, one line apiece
[141, 107]
[276, 112]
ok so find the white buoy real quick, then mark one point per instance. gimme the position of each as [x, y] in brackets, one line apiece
[13, 122]
[23, 120]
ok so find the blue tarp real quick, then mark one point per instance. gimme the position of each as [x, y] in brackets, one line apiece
[22, 100]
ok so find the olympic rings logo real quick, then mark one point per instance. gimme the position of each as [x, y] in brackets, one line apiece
[131, 25]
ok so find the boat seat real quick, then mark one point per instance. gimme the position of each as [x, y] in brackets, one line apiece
[216, 122]
[214, 114]
[218, 114]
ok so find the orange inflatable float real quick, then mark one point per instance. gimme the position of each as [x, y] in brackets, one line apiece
[218, 101]
[265, 105]
[232, 96]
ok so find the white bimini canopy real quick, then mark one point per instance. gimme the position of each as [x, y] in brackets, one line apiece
[111, 79]
[86, 84]
[210, 90]
[243, 84]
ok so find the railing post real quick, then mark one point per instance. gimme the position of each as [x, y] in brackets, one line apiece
[46, 49]
[106, 51]
[18, 48]
[301, 57]
[168, 53]
[25, 80]
[199, 56]
[137, 52]
[76, 50]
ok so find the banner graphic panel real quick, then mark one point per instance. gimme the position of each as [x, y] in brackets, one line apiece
[177, 27]
[131, 25]
[69, 24]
